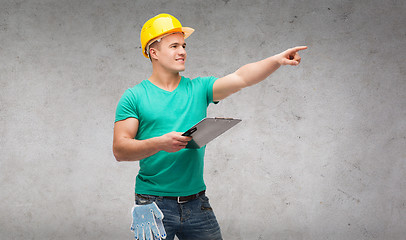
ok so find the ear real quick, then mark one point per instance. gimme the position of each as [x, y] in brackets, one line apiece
[153, 53]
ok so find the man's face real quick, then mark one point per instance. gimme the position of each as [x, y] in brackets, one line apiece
[171, 52]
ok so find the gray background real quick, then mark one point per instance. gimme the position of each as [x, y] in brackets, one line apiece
[320, 153]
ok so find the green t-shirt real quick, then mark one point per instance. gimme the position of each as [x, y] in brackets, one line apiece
[160, 112]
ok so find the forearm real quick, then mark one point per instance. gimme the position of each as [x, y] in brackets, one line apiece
[127, 149]
[245, 76]
[256, 72]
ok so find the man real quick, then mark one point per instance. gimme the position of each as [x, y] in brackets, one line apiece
[150, 120]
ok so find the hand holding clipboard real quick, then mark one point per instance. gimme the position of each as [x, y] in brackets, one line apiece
[208, 129]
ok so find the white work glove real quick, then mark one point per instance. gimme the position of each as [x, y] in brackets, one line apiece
[147, 222]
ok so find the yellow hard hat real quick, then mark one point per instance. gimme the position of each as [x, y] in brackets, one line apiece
[160, 25]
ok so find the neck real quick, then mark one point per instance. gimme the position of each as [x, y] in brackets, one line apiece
[168, 81]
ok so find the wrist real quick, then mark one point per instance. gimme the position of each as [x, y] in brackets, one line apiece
[278, 58]
[158, 143]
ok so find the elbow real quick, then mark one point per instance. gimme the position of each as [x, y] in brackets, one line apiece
[118, 153]
[122, 155]
[118, 159]
[117, 156]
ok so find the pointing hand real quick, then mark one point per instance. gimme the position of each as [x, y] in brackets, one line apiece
[291, 56]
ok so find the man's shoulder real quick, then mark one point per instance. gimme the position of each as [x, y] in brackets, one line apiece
[199, 79]
[137, 87]
[132, 92]
[141, 84]
[195, 78]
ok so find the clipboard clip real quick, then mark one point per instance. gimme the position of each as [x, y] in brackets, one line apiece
[220, 118]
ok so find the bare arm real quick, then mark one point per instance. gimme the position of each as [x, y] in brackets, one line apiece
[254, 73]
[126, 148]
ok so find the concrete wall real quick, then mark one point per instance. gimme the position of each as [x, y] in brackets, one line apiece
[320, 153]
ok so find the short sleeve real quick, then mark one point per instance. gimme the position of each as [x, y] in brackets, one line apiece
[209, 82]
[126, 107]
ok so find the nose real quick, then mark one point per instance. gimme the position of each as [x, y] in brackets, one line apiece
[182, 51]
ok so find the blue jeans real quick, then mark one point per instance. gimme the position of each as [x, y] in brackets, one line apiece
[193, 220]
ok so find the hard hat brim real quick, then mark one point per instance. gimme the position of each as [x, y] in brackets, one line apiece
[187, 31]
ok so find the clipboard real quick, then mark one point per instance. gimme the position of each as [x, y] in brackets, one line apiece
[208, 129]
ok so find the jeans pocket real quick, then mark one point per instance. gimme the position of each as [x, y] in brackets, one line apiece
[205, 204]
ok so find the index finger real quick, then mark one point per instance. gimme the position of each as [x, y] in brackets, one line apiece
[187, 138]
[183, 138]
[299, 48]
